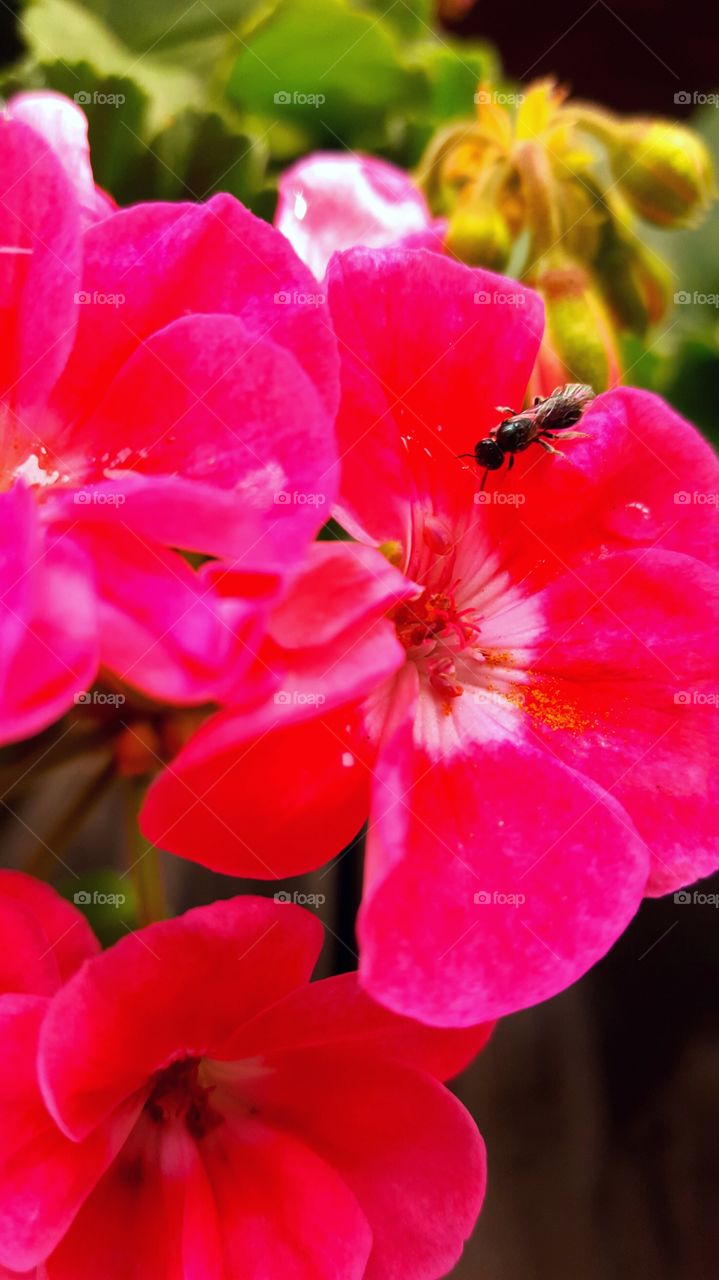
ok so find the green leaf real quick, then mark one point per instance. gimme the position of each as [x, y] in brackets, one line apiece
[332, 69]
[454, 68]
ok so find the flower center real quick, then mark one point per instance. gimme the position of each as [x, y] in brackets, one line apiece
[434, 631]
[179, 1095]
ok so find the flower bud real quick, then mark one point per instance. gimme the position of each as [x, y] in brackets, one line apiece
[479, 237]
[579, 344]
[663, 170]
[635, 282]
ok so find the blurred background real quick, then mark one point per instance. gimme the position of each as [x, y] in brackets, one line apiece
[600, 1108]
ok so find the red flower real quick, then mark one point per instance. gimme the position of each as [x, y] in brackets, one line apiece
[202, 1111]
[542, 758]
[164, 384]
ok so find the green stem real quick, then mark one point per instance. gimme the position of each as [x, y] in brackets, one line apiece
[143, 859]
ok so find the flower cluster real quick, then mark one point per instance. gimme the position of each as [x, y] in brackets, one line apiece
[489, 670]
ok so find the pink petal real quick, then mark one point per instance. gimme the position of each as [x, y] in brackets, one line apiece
[336, 1013]
[205, 401]
[39, 274]
[161, 629]
[64, 127]
[423, 367]
[328, 645]
[276, 804]
[403, 1144]
[643, 477]
[48, 620]
[158, 1186]
[44, 1178]
[330, 201]
[471, 910]
[177, 988]
[59, 935]
[166, 261]
[284, 1210]
[631, 646]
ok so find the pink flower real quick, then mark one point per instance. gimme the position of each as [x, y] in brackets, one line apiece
[163, 385]
[63, 125]
[542, 758]
[330, 201]
[186, 1106]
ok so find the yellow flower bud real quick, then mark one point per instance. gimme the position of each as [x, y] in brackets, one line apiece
[478, 236]
[663, 170]
[579, 344]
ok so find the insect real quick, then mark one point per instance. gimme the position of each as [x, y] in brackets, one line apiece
[536, 425]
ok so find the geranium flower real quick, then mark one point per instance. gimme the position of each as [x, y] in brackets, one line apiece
[330, 201]
[166, 381]
[63, 125]
[542, 758]
[185, 1105]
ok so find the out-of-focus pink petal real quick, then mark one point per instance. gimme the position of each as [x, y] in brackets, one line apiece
[58, 937]
[420, 1184]
[48, 620]
[330, 201]
[337, 1013]
[40, 258]
[429, 348]
[97, 1048]
[64, 126]
[44, 1177]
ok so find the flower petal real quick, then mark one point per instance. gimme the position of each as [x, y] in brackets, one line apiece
[146, 1001]
[333, 200]
[467, 914]
[160, 262]
[39, 273]
[336, 1013]
[44, 1178]
[58, 936]
[428, 349]
[64, 126]
[420, 1185]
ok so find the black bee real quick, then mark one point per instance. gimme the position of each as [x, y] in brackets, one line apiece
[537, 425]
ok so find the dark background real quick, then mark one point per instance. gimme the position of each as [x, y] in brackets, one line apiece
[600, 1108]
